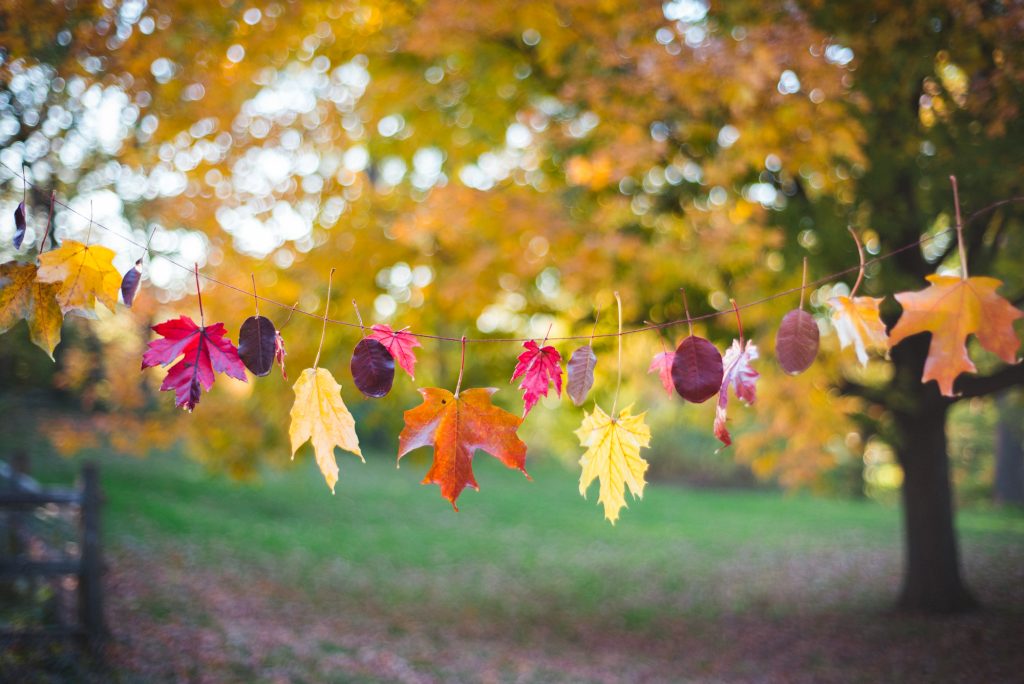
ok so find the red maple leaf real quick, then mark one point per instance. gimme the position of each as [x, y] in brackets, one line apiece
[400, 344]
[539, 367]
[204, 350]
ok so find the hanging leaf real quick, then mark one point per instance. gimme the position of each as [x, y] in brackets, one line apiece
[130, 283]
[399, 344]
[85, 273]
[743, 379]
[203, 351]
[613, 456]
[951, 309]
[456, 426]
[23, 297]
[257, 344]
[696, 369]
[279, 352]
[662, 364]
[538, 367]
[580, 370]
[796, 343]
[857, 322]
[19, 225]
[319, 415]
[373, 368]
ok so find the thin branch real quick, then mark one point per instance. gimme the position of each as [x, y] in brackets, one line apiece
[968, 386]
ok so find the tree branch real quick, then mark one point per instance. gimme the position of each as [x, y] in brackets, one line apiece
[968, 386]
[873, 395]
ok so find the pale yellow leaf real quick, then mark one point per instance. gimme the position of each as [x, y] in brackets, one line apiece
[613, 457]
[857, 322]
[320, 416]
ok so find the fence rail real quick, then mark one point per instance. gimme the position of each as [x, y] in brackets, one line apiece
[30, 557]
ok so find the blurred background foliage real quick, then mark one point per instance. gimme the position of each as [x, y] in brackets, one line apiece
[496, 169]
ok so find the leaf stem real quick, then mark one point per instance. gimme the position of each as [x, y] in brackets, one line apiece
[88, 232]
[959, 228]
[618, 382]
[323, 331]
[199, 294]
[593, 331]
[860, 254]
[462, 368]
[49, 220]
[803, 285]
[686, 308]
[253, 276]
[545, 340]
[739, 323]
[359, 318]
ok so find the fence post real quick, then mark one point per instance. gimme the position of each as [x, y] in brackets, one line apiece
[90, 578]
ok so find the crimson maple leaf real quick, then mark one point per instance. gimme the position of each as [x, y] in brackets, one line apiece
[204, 350]
[538, 367]
[400, 344]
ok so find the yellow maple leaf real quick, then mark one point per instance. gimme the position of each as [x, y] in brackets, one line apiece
[857, 322]
[22, 296]
[320, 416]
[85, 273]
[613, 456]
[952, 308]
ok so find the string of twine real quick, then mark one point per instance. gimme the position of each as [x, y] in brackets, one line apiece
[476, 340]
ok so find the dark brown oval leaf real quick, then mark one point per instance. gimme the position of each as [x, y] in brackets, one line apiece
[130, 283]
[373, 368]
[796, 343]
[257, 344]
[581, 373]
[19, 225]
[697, 369]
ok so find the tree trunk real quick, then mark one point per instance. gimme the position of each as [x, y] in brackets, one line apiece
[1009, 479]
[932, 579]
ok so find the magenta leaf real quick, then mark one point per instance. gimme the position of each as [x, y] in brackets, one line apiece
[203, 351]
[743, 379]
[538, 368]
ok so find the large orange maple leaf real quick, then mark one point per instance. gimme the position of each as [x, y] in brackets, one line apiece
[952, 308]
[456, 426]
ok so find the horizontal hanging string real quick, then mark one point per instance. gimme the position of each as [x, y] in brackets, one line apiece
[440, 338]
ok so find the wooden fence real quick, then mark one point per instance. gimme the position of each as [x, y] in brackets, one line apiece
[26, 555]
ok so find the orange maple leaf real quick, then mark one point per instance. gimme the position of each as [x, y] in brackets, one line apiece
[456, 426]
[952, 308]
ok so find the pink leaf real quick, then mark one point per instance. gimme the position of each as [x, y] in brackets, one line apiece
[400, 345]
[538, 368]
[663, 364]
[742, 377]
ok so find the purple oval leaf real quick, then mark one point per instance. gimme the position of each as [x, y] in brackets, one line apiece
[581, 373]
[796, 343]
[373, 368]
[257, 344]
[19, 225]
[697, 369]
[130, 283]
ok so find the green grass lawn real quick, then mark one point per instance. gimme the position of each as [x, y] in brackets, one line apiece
[279, 581]
[713, 550]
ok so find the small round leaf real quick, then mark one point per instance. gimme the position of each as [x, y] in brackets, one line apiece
[796, 343]
[697, 370]
[373, 368]
[257, 344]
